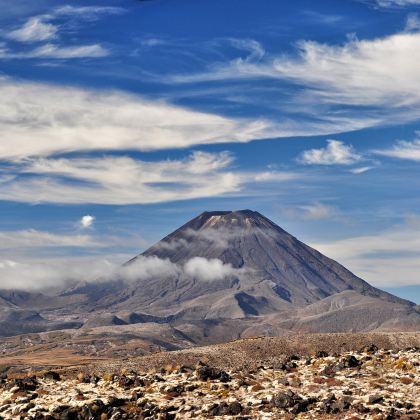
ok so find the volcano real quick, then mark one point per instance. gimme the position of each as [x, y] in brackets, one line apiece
[241, 271]
[291, 270]
[230, 274]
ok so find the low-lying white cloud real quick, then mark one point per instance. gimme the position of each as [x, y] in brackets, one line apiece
[144, 268]
[55, 274]
[212, 269]
[52, 274]
[335, 153]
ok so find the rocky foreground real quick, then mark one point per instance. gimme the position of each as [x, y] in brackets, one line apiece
[368, 384]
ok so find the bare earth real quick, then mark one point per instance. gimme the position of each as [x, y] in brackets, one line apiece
[340, 376]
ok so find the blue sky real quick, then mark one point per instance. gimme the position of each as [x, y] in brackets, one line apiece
[142, 114]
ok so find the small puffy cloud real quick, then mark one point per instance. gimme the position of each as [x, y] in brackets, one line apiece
[87, 221]
[408, 150]
[335, 153]
[207, 270]
[35, 29]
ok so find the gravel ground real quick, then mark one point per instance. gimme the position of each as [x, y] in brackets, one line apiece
[371, 383]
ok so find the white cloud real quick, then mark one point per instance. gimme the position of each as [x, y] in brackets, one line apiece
[88, 12]
[59, 273]
[374, 78]
[35, 29]
[87, 221]
[208, 270]
[359, 72]
[143, 268]
[397, 3]
[78, 51]
[56, 52]
[390, 258]
[89, 120]
[40, 28]
[316, 211]
[220, 238]
[408, 150]
[124, 180]
[413, 22]
[32, 238]
[255, 50]
[361, 170]
[41, 119]
[46, 274]
[43, 28]
[335, 153]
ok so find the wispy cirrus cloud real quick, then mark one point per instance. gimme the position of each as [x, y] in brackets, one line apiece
[361, 169]
[335, 153]
[124, 180]
[89, 120]
[56, 52]
[407, 150]
[43, 27]
[34, 238]
[396, 3]
[34, 29]
[347, 80]
[386, 258]
[49, 27]
[315, 211]
[107, 120]
[88, 12]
